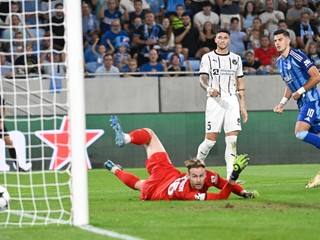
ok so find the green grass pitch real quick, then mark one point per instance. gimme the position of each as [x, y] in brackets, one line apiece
[284, 210]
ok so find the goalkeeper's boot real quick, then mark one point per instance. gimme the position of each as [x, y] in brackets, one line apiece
[111, 166]
[314, 182]
[115, 124]
[251, 194]
[240, 163]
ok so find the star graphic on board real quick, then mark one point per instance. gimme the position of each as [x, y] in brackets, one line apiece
[59, 141]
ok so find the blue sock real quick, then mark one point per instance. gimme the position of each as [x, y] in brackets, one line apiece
[309, 138]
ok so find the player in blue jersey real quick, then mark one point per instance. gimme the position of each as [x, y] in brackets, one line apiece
[301, 77]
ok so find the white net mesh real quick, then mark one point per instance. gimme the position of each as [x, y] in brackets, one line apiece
[35, 89]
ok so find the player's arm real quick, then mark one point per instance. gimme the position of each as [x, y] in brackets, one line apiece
[286, 96]
[313, 81]
[204, 83]
[241, 92]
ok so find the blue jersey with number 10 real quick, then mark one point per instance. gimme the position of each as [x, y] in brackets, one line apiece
[294, 71]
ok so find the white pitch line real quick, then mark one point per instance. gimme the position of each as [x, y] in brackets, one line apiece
[108, 233]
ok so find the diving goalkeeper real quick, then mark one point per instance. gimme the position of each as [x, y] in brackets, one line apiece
[168, 183]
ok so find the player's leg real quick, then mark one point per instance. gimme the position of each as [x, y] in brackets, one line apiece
[314, 182]
[213, 123]
[308, 117]
[307, 129]
[232, 126]
[127, 178]
[230, 151]
[11, 149]
[142, 136]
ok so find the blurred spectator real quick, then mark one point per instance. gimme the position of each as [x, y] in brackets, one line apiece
[272, 68]
[313, 53]
[294, 13]
[46, 7]
[130, 16]
[304, 30]
[247, 16]
[153, 65]
[178, 51]
[206, 40]
[283, 25]
[27, 63]
[175, 66]
[255, 33]
[115, 32]
[171, 6]
[55, 67]
[168, 46]
[5, 67]
[10, 33]
[206, 15]
[121, 57]
[45, 48]
[30, 10]
[90, 24]
[108, 12]
[107, 67]
[58, 27]
[228, 10]
[197, 5]
[265, 52]
[252, 66]
[128, 5]
[19, 41]
[237, 38]
[133, 45]
[317, 16]
[157, 7]
[15, 9]
[132, 68]
[176, 18]
[188, 36]
[99, 51]
[147, 36]
[271, 17]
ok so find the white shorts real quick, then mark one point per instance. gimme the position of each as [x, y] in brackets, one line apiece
[223, 111]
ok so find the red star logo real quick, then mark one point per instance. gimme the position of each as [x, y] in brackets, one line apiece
[59, 141]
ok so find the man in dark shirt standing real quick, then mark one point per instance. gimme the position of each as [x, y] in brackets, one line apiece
[188, 37]
[252, 66]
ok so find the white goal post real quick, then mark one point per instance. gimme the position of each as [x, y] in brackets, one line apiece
[44, 91]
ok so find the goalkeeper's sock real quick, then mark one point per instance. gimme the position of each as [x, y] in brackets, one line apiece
[127, 178]
[140, 136]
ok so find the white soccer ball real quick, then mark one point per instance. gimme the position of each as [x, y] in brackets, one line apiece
[4, 197]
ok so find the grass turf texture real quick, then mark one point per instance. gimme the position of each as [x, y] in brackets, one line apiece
[284, 210]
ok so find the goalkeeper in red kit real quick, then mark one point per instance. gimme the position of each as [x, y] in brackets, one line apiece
[168, 183]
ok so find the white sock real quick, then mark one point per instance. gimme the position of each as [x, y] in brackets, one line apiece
[204, 149]
[231, 149]
[127, 138]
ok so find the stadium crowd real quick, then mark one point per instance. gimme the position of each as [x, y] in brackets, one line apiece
[131, 36]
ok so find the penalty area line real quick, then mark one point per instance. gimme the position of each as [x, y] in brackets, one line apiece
[108, 233]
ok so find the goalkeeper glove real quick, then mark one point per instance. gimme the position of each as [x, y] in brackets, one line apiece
[240, 162]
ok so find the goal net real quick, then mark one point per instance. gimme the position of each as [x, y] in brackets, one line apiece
[42, 108]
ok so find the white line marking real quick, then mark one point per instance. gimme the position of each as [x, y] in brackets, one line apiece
[108, 233]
